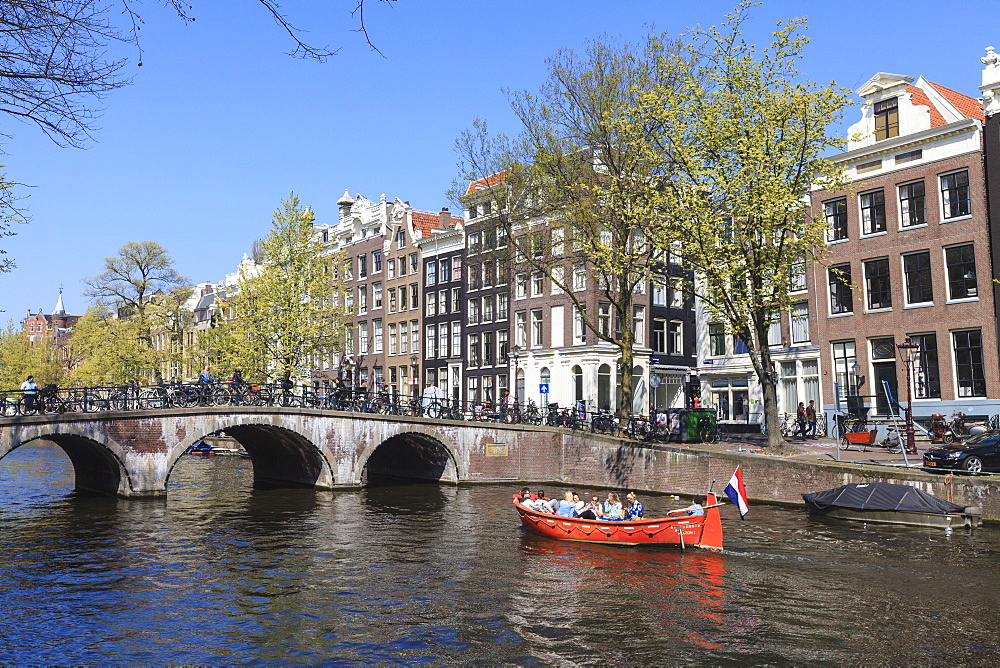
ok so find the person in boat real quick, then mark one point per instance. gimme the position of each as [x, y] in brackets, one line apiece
[525, 495]
[612, 507]
[566, 507]
[696, 507]
[634, 509]
[591, 509]
[578, 505]
[539, 503]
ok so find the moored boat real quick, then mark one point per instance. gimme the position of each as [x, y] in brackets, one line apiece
[889, 503]
[704, 531]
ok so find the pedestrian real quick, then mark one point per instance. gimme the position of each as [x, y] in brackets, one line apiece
[204, 379]
[30, 390]
[811, 418]
[800, 421]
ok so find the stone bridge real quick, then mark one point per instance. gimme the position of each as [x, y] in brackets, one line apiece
[132, 453]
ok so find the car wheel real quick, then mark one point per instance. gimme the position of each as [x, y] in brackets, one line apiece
[973, 465]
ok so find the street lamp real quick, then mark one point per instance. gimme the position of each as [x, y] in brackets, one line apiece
[515, 353]
[908, 351]
[413, 374]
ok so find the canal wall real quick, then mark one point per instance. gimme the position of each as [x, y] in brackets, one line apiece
[589, 461]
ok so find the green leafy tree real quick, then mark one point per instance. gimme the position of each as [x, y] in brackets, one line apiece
[19, 358]
[130, 285]
[580, 184]
[109, 351]
[745, 145]
[285, 313]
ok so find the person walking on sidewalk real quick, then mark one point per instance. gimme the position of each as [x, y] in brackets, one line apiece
[800, 421]
[811, 418]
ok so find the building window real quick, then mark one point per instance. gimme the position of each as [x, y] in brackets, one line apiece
[444, 270]
[363, 337]
[604, 318]
[392, 271]
[639, 325]
[404, 338]
[520, 286]
[844, 357]
[488, 348]
[414, 301]
[431, 303]
[502, 346]
[444, 341]
[520, 327]
[872, 212]
[377, 325]
[503, 304]
[472, 272]
[677, 293]
[797, 272]
[800, 322]
[474, 314]
[474, 349]
[886, 119]
[442, 302]
[377, 295]
[841, 296]
[911, 204]
[926, 378]
[393, 339]
[537, 283]
[376, 262]
[557, 277]
[659, 335]
[716, 339]
[401, 239]
[488, 314]
[970, 370]
[579, 326]
[774, 329]
[961, 263]
[877, 281]
[431, 348]
[362, 299]
[432, 273]
[536, 327]
[362, 266]
[917, 271]
[456, 300]
[414, 337]
[414, 263]
[675, 338]
[456, 340]
[579, 276]
[955, 194]
[659, 292]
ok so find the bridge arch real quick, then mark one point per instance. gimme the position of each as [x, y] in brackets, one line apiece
[408, 455]
[98, 461]
[281, 457]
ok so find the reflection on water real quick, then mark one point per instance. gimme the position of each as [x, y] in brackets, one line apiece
[220, 573]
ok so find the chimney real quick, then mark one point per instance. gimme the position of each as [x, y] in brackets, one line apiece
[445, 217]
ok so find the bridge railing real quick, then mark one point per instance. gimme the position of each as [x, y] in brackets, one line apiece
[56, 400]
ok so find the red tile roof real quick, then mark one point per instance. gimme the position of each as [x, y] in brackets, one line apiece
[920, 98]
[486, 182]
[425, 222]
[967, 106]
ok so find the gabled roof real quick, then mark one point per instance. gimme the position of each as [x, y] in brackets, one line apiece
[486, 182]
[920, 98]
[425, 222]
[967, 106]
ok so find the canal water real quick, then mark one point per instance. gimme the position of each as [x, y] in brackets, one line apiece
[221, 574]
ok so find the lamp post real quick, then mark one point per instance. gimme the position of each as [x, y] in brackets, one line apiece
[413, 374]
[908, 350]
[515, 353]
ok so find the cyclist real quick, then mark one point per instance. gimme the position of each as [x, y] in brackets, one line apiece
[30, 390]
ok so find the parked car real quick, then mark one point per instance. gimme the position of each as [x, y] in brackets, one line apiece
[975, 455]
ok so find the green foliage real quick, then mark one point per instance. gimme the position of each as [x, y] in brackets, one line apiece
[20, 359]
[285, 312]
[109, 351]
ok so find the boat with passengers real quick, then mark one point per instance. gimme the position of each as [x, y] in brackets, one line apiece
[675, 529]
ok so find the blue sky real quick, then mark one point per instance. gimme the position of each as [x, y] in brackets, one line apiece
[221, 124]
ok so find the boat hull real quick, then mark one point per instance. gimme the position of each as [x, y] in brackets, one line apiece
[704, 531]
[936, 520]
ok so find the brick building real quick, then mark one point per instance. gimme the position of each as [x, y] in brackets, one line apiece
[908, 255]
[442, 252]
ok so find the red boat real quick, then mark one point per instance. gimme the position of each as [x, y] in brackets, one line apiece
[703, 531]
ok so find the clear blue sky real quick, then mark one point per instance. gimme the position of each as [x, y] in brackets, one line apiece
[221, 124]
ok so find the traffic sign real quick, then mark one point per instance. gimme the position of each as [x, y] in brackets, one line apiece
[543, 388]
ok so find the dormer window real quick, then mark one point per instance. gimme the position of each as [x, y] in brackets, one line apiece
[886, 119]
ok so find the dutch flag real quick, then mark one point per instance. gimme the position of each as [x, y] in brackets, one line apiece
[737, 493]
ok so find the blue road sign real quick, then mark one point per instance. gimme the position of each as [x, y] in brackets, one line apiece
[543, 388]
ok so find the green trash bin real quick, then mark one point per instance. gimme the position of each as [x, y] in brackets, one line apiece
[689, 432]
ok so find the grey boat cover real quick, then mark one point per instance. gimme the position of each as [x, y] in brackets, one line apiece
[881, 496]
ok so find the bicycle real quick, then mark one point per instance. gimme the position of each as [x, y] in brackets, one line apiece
[707, 430]
[603, 422]
[531, 414]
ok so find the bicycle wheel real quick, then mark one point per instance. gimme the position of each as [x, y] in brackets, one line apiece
[844, 443]
[152, 399]
[707, 433]
[222, 397]
[27, 406]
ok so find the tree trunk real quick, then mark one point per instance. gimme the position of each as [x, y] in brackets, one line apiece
[625, 396]
[768, 387]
